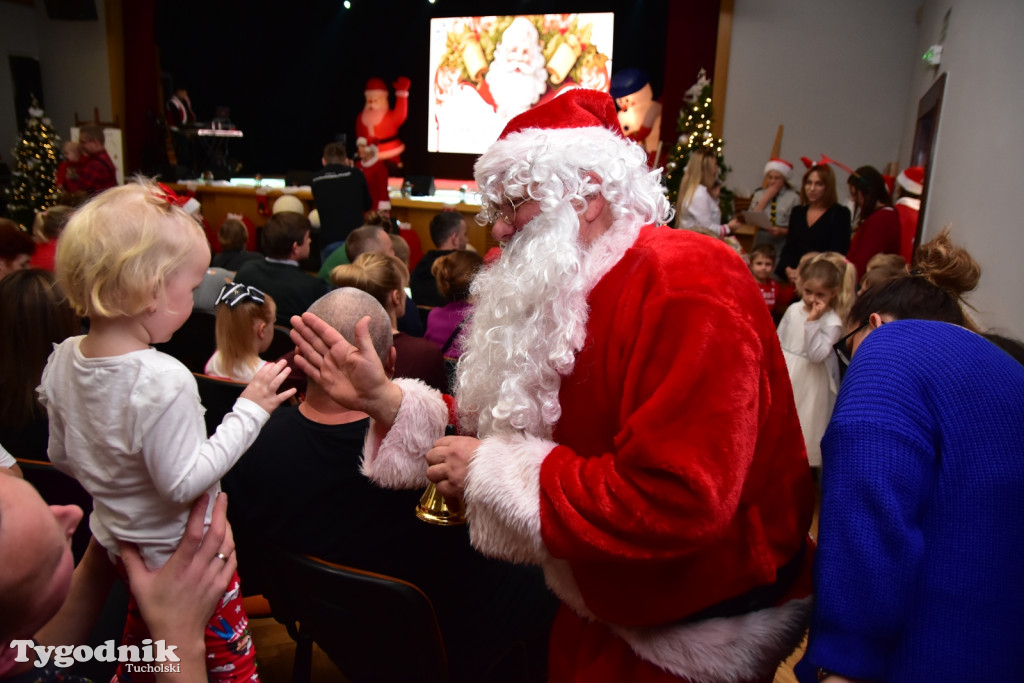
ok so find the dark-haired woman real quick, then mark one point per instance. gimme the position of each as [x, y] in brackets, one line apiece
[879, 229]
[921, 538]
[820, 223]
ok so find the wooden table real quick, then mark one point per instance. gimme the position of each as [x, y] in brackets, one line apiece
[256, 205]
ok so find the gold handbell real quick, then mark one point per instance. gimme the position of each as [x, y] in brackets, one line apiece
[433, 509]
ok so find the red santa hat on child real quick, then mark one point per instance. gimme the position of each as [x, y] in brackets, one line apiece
[376, 85]
[912, 179]
[780, 165]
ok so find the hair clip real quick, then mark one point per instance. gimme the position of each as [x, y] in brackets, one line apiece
[165, 194]
[233, 294]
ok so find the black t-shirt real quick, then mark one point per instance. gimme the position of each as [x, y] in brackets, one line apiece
[299, 487]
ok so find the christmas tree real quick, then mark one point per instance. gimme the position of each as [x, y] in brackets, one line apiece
[32, 179]
[694, 126]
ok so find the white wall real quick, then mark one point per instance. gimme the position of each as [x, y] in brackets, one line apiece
[835, 74]
[18, 38]
[72, 58]
[976, 169]
[846, 78]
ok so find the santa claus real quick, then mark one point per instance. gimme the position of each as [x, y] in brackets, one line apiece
[378, 124]
[517, 76]
[628, 421]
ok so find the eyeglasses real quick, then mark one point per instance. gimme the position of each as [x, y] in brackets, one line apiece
[510, 207]
[842, 348]
[234, 294]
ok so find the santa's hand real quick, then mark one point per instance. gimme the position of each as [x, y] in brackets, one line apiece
[352, 375]
[402, 85]
[449, 462]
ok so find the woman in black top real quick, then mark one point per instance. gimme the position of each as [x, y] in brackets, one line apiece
[819, 224]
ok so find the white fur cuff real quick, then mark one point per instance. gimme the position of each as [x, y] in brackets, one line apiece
[727, 649]
[399, 460]
[503, 497]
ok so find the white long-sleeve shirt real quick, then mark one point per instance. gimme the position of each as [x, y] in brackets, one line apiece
[130, 429]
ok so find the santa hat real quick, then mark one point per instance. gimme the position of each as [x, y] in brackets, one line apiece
[375, 85]
[890, 183]
[289, 203]
[576, 109]
[912, 179]
[780, 165]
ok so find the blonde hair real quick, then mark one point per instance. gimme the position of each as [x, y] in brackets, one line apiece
[701, 169]
[118, 249]
[236, 341]
[893, 262]
[836, 273]
[376, 274]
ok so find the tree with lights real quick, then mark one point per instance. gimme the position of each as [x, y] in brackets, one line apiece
[32, 179]
[694, 126]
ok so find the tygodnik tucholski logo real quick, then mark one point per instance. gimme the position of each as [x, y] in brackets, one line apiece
[135, 658]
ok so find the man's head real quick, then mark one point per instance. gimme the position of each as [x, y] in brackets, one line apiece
[366, 239]
[35, 558]
[518, 75]
[334, 154]
[286, 236]
[91, 139]
[342, 309]
[580, 192]
[448, 230]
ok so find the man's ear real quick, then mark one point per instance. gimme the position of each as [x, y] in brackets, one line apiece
[875, 320]
[389, 366]
[595, 202]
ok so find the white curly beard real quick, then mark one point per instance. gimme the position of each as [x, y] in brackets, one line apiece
[529, 320]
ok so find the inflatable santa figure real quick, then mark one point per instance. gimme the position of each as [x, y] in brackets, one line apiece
[639, 114]
[379, 124]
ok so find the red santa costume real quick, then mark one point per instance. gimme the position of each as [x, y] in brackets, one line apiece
[908, 206]
[642, 445]
[378, 124]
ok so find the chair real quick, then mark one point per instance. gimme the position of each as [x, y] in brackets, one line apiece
[375, 628]
[218, 397]
[194, 342]
[280, 345]
[57, 488]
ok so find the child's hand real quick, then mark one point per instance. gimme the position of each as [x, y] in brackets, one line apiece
[262, 390]
[818, 309]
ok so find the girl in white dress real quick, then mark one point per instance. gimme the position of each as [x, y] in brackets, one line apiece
[807, 332]
[245, 328]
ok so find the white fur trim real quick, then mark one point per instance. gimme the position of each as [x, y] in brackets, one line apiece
[724, 650]
[503, 497]
[399, 460]
[609, 249]
[720, 650]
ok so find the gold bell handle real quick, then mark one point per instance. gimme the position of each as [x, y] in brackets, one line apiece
[433, 509]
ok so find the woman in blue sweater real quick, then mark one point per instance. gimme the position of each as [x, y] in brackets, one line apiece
[920, 565]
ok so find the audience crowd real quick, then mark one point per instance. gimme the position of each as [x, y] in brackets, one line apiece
[910, 418]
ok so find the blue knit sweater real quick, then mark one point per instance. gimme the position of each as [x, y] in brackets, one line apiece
[920, 567]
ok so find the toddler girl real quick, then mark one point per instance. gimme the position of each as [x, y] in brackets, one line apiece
[807, 332]
[125, 419]
[245, 328]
